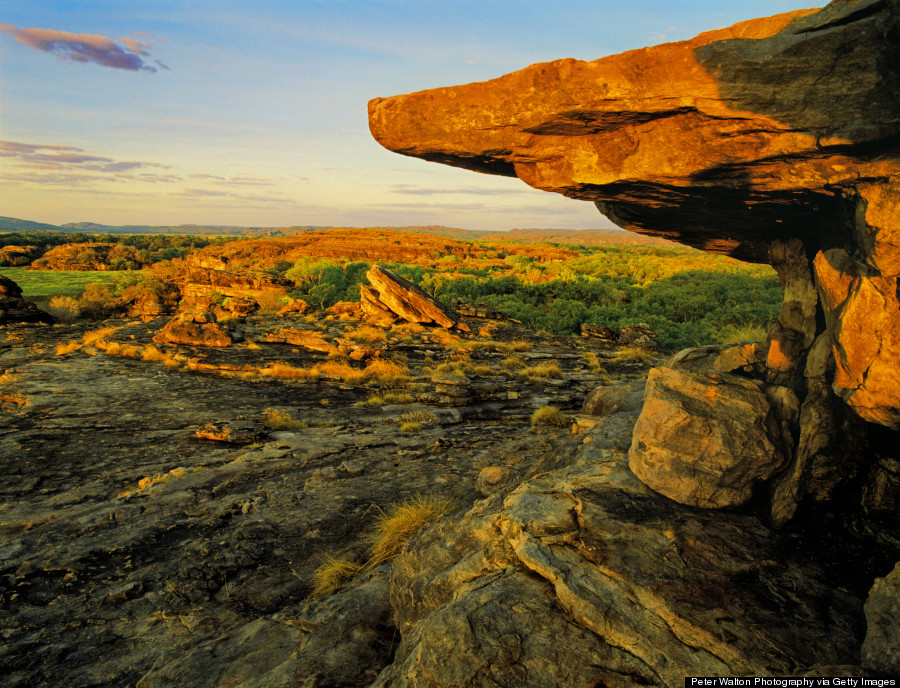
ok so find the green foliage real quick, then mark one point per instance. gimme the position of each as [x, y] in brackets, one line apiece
[36, 283]
[323, 283]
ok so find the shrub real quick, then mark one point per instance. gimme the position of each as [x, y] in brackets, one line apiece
[332, 575]
[64, 308]
[549, 416]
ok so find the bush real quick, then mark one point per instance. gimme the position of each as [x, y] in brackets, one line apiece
[64, 308]
[549, 416]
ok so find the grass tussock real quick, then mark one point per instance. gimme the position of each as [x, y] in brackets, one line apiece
[367, 334]
[393, 528]
[379, 400]
[67, 348]
[542, 371]
[418, 417]
[289, 372]
[386, 371]
[333, 574]
[734, 334]
[410, 427]
[281, 420]
[98, 335]
[549, 416]
[512, 363]
[633, 354]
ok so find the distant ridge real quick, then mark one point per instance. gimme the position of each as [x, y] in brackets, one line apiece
[560, 236]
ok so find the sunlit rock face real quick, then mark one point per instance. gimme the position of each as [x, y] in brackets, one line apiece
[774, 140]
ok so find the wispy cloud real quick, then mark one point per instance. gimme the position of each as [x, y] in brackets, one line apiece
[55, 157]
[128, 53]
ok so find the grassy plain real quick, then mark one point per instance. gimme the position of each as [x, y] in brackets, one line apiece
[47, 283]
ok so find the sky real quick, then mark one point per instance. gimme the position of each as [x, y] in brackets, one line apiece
[233, 112]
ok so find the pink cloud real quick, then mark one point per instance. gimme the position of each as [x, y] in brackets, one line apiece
[85, 47]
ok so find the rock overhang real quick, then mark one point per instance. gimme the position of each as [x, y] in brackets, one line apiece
[726, 141]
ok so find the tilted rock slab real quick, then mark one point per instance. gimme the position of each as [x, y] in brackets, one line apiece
[754, 140]
[881, 648]
[583, 576]
[405, 299]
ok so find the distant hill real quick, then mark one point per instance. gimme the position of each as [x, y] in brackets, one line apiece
[11, 224]
[560, 236]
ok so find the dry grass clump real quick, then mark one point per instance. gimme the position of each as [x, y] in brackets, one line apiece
[379, 400]
[444, 337]
[336, 368]
[633, 354]
[386, 371]
[367, 334]
[281, 420]
[98, 335]
[520, 345]
[390, 532]
[410, 427]
[64, 308]
[407, 328]
[513, 363]
[119, 349]
[542, 371]
[67, 348]
[549, 416]
[289, 372]
[394, 528]
[418, 417]
[332, 575]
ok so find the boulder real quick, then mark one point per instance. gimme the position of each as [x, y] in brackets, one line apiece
[493, 479]
[639, 335]
[194, 329]
[774, 140]
[233, 432]
[609, 399]
[15, 309]
[598, 331]
[881, 648]
[406, 300]
[705, 439]
[749, 358]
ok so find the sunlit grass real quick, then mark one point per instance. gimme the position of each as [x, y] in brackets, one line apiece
[549, 416]
[281, 420]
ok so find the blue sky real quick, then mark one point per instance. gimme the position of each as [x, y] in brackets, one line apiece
[240, 113]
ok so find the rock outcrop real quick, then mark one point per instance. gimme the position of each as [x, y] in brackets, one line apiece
[214, 283]
[15, 256]
[772, 140]
[584, 576]
[194, 329]
[15, 309]
[392, 295]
